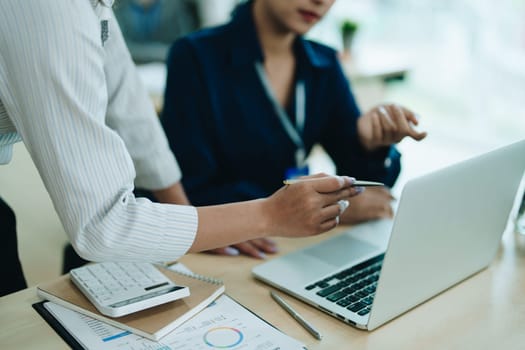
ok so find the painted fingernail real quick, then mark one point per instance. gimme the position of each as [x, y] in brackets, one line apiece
[272, 249]
[261, 255]
[231, 251]
[350, 180]
[359, 189]
[270, 241]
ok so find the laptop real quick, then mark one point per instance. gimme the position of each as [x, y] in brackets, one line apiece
[447, 227]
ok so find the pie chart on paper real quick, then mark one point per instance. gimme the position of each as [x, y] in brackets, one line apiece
[223, 337]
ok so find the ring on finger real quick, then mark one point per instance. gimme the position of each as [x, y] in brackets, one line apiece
[343, 204]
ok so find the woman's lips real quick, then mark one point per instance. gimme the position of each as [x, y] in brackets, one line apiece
[309, 16]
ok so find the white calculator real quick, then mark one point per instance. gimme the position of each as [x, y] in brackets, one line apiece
[118, 289]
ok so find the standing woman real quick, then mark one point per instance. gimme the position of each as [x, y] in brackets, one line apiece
[70, 91]
[246, 102]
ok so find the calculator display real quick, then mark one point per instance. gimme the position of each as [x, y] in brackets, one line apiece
[146, 296]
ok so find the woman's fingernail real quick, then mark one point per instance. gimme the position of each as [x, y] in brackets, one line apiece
[231, 251]
[261, 255]
[350, 180]
[272, 249]
[359, 189]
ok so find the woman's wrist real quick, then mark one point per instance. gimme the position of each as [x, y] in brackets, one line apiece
[263, 222]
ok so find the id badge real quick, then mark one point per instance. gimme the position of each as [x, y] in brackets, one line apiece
[292, 173]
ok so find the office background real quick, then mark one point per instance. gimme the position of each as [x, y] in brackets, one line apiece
[464, 75]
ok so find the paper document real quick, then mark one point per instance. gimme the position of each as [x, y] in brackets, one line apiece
[224, 324]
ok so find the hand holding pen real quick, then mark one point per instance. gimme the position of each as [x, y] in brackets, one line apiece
[308, 207]
[356, 183]
[359, 186]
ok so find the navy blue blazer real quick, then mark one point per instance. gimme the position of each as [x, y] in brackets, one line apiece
[223, 128]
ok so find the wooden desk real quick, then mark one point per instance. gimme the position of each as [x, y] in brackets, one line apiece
[486, 311]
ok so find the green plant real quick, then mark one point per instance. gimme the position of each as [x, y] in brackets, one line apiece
[349, 27]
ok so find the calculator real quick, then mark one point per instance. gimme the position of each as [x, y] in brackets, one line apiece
[120, 288]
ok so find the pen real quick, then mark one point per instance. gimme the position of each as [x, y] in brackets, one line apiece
[356, 183]
[295, 315]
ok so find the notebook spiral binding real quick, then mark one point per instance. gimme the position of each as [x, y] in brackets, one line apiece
[204, 278]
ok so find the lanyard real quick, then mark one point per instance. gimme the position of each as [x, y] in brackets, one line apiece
[294, 132]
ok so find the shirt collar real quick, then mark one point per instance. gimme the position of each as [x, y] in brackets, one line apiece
[243, 26]
[105, 3]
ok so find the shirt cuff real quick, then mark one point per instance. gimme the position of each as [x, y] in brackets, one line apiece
[176, 244]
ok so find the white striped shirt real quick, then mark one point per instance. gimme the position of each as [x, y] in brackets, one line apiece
[80, 108]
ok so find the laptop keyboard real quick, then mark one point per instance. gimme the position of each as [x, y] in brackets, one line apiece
[353, 288]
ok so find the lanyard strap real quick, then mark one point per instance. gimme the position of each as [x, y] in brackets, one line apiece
[294, 132]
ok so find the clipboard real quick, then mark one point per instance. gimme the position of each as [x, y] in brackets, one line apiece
[57, 326]
[252, 329]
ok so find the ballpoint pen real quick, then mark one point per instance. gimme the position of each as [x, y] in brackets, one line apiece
[356, 182]
[296, 315]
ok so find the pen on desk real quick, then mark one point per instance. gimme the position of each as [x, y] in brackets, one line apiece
[356, 183]
[296, 315]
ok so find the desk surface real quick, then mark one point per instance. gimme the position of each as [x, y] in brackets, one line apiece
[486, 311]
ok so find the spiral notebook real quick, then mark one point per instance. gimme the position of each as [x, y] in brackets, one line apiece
[152, 323]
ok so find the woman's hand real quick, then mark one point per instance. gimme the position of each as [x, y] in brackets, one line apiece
[305, 208]
[387, 124]
[373, 204]
[256, 248]
[309, 207]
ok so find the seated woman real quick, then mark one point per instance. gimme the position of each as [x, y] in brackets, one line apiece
[246, 102]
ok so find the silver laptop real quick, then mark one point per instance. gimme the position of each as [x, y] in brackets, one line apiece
[447, 227]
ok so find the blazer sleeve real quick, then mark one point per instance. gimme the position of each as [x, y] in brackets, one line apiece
[341, 141]
[189, 120]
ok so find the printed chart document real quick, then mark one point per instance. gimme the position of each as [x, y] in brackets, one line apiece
[224, 324]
